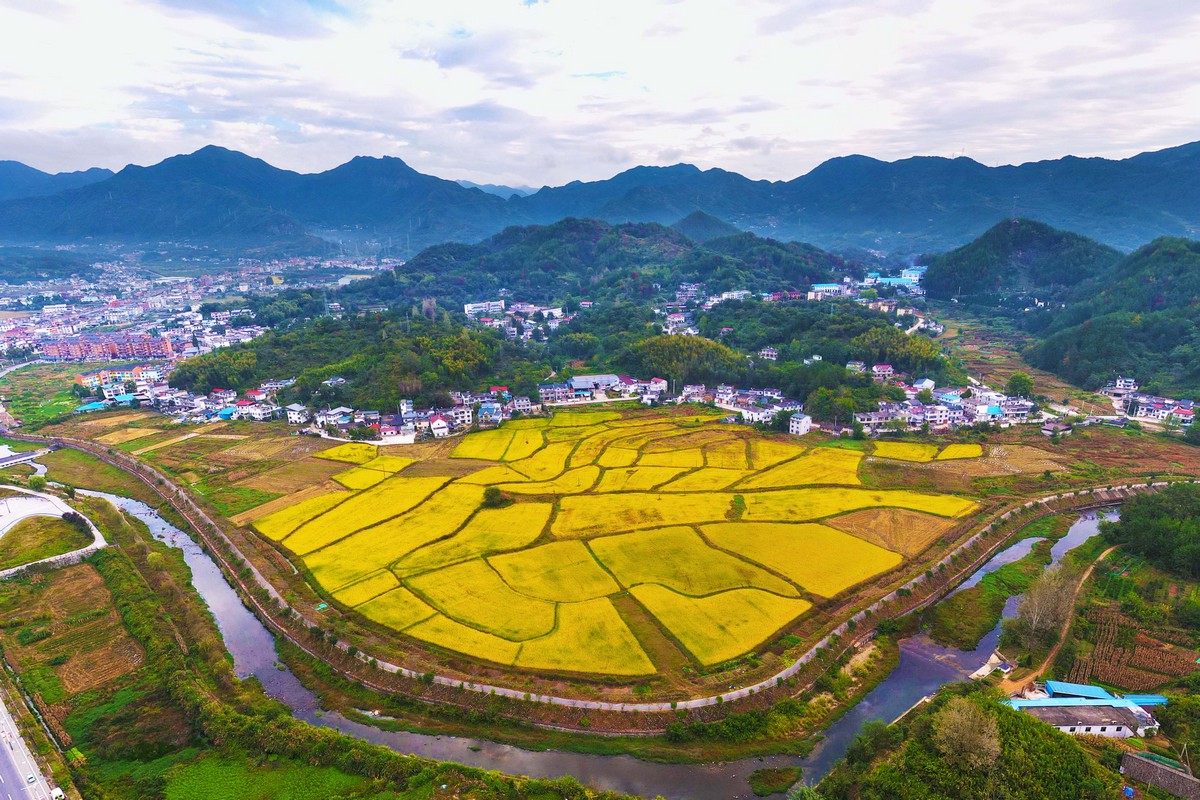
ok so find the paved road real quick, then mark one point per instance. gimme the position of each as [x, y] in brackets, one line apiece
[16, 762]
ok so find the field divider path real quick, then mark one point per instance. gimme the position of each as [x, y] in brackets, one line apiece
[195, 516]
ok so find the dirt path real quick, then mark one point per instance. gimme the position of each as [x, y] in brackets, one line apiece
[1011, 686]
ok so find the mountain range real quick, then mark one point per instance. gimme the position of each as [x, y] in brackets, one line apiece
[915, 205]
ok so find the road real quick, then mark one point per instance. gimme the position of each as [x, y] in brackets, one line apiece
[16, 762]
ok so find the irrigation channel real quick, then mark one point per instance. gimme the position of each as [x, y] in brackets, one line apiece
[923, 668]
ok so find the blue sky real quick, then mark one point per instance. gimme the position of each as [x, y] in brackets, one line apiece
[543, 92]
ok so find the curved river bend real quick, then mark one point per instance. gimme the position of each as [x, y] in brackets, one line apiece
[923, 668]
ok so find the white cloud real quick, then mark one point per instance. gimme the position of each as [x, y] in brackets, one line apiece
[508, 91]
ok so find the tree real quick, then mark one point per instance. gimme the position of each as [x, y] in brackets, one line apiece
[493, 498]
[37, 482]
[966, 735]
[1045, 606]
[925, 396]
[1191, 434]
[1019, 385]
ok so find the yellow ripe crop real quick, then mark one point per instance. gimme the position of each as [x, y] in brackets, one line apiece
[822, 560]
[524, 444]
[822, 465]
[960, 451]
[562, 572]
[637, 479]
[809, 504]
[486, 445]
[721, 626]
[709, 479]
[360, 478]
[397, 609]
[679, 559]
[768, 452]
[444, 632]
[501, 473]
[727, 455]
[905, 451]
[474, 594]
[358, 555]
[524, 424]
[673, 458]
[387, 499]
[546, 463]
[391, 464]
[284, 522]
[588, 515]
[590, 637]
[369, 587]
[351, 453]
[491, 530]
[617, 457]
[572, 481]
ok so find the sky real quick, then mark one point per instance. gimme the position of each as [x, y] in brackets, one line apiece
[542, 92]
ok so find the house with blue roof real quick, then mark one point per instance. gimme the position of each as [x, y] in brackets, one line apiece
[1077, 708]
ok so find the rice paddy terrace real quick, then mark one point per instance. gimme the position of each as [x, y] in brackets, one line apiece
[621, 537]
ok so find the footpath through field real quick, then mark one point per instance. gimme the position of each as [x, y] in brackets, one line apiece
[207, 529]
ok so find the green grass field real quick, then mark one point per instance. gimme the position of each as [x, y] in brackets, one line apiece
[35, 538]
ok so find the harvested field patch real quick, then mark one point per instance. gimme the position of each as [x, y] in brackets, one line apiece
[571, 434]
[127, 435]
[116, 419]
[590, 637]
[350, 452]
[293, 477]
[822, 560]
[822, 465]
[369, 587]
[491, 530]
[281, 517]
[572, 481]
[680, 560]
[952, 451]
[562, 572]
[444, 632]
[397, 609]
[474, 594]
[637, 479]
[905, 451]
[688, 459]
[710, 435]
[722, 626]
[486, 445]
[709, 479]
[595, 514]
[806, 504]
[166, 443]
[581, 418]
[904, 532]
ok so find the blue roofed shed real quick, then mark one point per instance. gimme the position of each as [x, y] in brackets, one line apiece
[1064, 689]
[1144, 700]
[97, 406]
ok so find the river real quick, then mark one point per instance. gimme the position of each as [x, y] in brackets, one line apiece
[923, 667]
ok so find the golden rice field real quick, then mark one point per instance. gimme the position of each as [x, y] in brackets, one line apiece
[960, 451]
[724, 536]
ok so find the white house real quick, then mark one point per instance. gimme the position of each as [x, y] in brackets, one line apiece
[799, 424]
[439, 427]
[296, 414]
[768, 354]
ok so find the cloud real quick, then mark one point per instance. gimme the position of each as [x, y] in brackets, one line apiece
[507, 91]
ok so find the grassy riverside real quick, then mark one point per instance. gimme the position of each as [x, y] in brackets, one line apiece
[35, 538]
[129, 670]
[85, 471]
[962, 620]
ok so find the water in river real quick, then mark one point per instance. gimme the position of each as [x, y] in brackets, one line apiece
[924, 666]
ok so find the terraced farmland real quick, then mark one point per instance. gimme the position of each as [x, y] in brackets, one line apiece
[724, 538]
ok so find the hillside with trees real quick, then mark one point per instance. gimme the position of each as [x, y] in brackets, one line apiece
[1017, 255]
[1140, 320]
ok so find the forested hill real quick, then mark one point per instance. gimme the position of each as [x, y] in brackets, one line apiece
[1142, 319]
[26, 264]
[587, 259]
[1017, 254]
